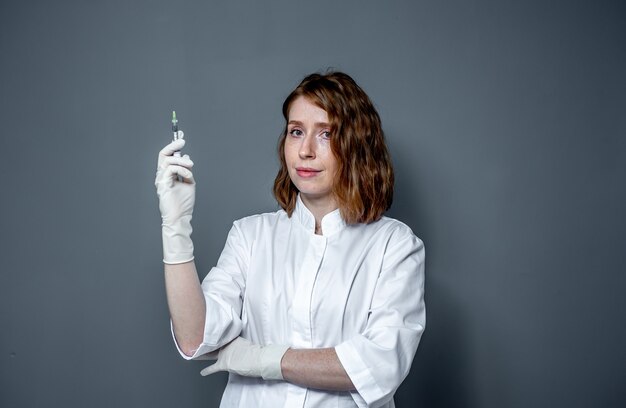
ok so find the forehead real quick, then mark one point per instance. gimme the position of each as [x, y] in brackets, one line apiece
[302, 109]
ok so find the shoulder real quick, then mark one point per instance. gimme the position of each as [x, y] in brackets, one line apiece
[256, 222]
[398, 238]
[247, 230]
[392, 229]
[402, 246]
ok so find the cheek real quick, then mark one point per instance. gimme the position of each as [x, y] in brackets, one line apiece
[329, 156]
[331, 166]
[288, 150]
[324, 149]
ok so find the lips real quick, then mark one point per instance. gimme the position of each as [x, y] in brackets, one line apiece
[307, 172]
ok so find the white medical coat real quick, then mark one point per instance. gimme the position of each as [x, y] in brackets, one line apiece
[357, 288]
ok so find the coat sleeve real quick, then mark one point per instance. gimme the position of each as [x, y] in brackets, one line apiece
[223, 289]
[379, 359]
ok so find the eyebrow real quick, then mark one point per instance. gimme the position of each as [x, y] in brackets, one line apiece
[316, 124]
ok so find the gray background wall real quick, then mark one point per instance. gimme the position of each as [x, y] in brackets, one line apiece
[505, 121]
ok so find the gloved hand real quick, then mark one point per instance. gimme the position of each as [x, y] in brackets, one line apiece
[176, 201]
[251, 360]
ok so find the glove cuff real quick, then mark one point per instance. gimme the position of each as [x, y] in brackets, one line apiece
[177, 243]
[271, 357]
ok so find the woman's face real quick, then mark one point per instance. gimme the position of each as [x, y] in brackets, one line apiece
[310, 161]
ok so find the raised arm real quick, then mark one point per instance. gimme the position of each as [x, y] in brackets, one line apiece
[186, 304]
[176, 190]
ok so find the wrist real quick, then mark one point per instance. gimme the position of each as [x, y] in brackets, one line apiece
[271, 357]
[177, 243]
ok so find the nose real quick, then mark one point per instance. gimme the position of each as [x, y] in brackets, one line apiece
[307, 147]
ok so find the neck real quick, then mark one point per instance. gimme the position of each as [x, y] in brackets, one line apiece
[319, 208]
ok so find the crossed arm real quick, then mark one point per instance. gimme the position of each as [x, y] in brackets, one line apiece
[313, 368]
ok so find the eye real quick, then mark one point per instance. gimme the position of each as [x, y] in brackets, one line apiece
[295, 132]
[326, 134]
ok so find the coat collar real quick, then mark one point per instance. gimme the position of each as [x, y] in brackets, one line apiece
[331, 222]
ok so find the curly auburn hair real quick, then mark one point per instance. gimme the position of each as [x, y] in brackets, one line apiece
[364, 182]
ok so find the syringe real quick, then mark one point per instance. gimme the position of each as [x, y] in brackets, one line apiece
[176, 137]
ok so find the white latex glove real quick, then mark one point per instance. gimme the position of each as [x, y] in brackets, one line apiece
[251, 360]
[176, 201]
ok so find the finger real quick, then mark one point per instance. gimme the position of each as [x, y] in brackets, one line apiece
[180, 134]
[172, 147]
[212, 369]
[174, 171]
[178, 161]
[169, 175]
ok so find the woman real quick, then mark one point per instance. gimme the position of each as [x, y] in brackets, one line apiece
[320, 303]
